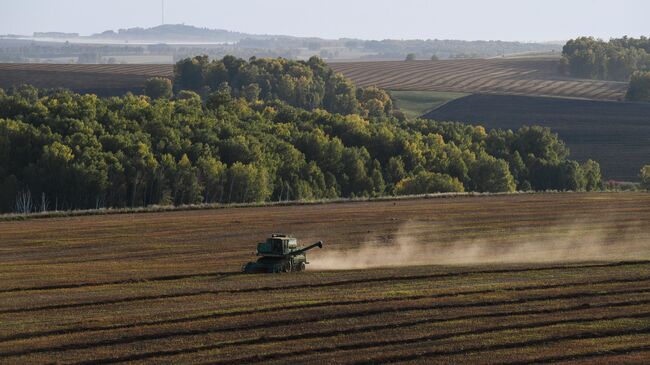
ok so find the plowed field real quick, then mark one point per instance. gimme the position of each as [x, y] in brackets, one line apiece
[617, 135]
[537, 77]
[99, 79]
[523, 76]
[166, 288]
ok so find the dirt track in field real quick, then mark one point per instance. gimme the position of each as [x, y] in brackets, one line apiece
[165, 287]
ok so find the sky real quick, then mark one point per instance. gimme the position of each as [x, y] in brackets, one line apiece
[518, 20]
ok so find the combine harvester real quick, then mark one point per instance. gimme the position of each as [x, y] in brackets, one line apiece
[280, 253]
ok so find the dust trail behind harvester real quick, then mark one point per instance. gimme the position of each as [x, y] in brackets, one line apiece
[413, 245]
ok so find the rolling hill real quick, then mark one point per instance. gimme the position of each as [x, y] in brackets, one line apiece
[523, 76]
[615, 134]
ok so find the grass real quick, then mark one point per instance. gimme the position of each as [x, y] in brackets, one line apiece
[165, 287]
[417, 103]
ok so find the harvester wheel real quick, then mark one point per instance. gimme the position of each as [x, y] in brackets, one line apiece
[287, 267]
[300, 267]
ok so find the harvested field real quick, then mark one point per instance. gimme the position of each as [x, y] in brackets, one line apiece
[526, 76]
[615, 134]
[165, 287]
[523, 76]
[103, 80]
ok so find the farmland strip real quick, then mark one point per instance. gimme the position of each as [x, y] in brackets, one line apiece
[118, 282]
[283, 322]
[351, 331]
[544, 341]
[310, 305]
[328, 284]
[365, 345]
[585, 356]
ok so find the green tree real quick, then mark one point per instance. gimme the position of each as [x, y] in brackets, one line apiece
[645, 177]
[189, 73]
[541, 143]
[592, 176]
[571, 176]
[340, 96]
[252, 92]
[395, 170]
[247, 183]
[410, 57]
[428, 182]
[639, 87]
[617, 59]
[489, 174]
[188, 187]
[140, 164]
[158, 88]
[212, 176]
[378, 184]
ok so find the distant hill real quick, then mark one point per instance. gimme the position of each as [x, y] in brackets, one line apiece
[173, 33]
[145, 45]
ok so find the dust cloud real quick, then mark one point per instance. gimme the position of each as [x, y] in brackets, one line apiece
[417, 243]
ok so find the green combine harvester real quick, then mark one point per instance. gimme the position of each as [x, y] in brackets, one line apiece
[280, 253]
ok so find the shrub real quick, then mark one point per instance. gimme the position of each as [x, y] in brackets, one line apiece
[428, 182]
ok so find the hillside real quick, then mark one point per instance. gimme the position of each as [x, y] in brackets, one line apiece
[525, 76]
[172, 33]
[615, 134]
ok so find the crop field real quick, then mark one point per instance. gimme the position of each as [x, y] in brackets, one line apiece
[104, 80]
[516, 279]
[526, 76]
[615, 134]
[523, 76]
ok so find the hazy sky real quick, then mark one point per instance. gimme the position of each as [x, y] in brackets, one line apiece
[369, 19]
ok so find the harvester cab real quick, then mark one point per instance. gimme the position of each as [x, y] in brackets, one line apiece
[280, 253]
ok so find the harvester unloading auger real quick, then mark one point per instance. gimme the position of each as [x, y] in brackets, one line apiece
[280, 253]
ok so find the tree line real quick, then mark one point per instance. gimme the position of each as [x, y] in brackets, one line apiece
[616, 59]
[254, 131]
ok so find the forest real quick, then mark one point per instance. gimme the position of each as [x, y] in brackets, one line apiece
[617, 59]
[232, 130]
